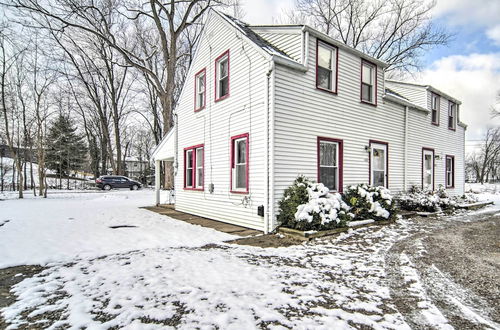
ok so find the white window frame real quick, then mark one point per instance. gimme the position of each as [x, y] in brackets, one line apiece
[199, 165]
[218, 63]
[335, 166]
[373, 83]
[237, 164]
[189, 152]
[333, 64]
[452, 113]
[450, 172]
[379, 146]
[200, 95]
[435, 106]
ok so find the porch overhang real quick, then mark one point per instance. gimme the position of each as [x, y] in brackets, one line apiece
[165, 151]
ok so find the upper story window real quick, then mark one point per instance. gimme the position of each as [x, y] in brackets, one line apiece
[452, 116]
[435, 106]
[222, 76]
[368, 82]
[326, 67]
[200, 90]
[239, 163]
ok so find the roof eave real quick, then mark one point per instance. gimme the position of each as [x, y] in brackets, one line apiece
[404, 102]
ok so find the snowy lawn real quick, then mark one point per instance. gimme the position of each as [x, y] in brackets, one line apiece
[163, 274]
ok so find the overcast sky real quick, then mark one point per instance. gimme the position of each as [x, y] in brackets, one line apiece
[468, 68]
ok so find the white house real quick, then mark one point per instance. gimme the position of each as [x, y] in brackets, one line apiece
[262, 104]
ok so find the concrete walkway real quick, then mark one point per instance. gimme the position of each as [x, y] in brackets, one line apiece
[169, 211]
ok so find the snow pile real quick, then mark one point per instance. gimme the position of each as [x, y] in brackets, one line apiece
[326, 209]
[427, 201]
[368, 202]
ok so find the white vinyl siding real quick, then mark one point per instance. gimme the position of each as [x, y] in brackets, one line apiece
[218, 122]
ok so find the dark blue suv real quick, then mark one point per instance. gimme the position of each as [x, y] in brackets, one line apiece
[107, 182]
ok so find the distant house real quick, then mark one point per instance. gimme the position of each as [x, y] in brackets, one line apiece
[137, 168]
[262, 104]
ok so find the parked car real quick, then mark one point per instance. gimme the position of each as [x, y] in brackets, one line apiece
[107, 182]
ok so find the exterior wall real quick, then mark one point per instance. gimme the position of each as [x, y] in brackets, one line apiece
[302, 113]
[416, 94]
[423, 134]
[242, 112]
[289, 42]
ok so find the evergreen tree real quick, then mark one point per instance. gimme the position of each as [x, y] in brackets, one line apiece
[66, 150]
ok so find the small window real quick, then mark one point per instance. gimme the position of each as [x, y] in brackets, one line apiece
[200, 90]
[368, 82]
[239, 166]
[330, 163]
[194, 162]
[435, 106]
[326, 67]
[452, 116]
[222, 76]
[450, 171]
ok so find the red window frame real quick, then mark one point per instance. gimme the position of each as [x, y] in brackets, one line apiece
[204, 72]
[370, 142]
[340, 160]
[433, 167]
[194, 171]
[455, 115]
[447, 184]
[247, 155]
[318, 41]
[375, 94]
[217, 76]
[438, 110]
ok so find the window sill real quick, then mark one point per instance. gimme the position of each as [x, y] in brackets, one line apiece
[450, 187]
[334, 92]
[199, 109]
[435, 124]
[452, 129]
[241, 192]
[368, 103]
[194, 189]
[222, 98]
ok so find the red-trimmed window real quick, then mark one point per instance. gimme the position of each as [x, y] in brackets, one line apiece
[452, 115]
[194, 167]
[450, 171]
[222, 76]
[379, 163]
[368, 82]
[330, 163]
[239, 163]
[326, 66]
[435, 106]
[200, 89]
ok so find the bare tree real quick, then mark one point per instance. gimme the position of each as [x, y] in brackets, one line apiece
[396, 31]
[484, 162]
[9, 55]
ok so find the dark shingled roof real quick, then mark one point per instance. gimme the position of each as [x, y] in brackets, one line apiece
[258, 40]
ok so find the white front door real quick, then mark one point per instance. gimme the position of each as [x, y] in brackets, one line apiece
[378, 161]
[428, 169]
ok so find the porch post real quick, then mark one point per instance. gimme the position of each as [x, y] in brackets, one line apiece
[157, 181]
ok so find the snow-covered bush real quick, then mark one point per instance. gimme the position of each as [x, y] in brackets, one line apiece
[294, 196]
[368, 202]
[427, 201]
[324, 210]
[311, 206]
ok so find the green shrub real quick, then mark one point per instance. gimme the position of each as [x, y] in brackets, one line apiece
[367, 202]
[427, 201]
[294, 196]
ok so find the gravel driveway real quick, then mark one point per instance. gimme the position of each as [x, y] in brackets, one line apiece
[422, 273]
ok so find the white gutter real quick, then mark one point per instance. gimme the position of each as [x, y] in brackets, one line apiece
[268, 179]
[305, 47]
[271, 147]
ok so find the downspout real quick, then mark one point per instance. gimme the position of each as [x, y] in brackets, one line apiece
[405, 171]
[269, 182]
[305, 47]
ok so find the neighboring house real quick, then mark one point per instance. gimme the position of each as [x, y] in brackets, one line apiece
[136, 168]
[263, 104]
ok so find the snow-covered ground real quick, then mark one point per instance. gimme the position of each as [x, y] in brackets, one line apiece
[162, 273]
